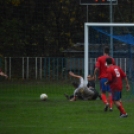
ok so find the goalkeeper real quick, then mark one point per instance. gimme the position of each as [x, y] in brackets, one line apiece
[82, 90]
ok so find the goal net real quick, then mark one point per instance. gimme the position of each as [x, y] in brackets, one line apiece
[120, 39]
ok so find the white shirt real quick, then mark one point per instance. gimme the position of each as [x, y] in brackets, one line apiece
[83, 89]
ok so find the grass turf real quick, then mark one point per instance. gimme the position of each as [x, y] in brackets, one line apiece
[22, 112]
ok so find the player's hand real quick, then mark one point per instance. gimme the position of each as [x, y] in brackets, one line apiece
[6, 76]
[94, 77]
[127, 87]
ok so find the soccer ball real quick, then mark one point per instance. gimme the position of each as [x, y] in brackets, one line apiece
[43, 97]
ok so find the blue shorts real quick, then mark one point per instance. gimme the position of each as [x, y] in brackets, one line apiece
[103, 87]
[116, 95]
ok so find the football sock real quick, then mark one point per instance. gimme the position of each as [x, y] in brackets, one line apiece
[104, 98]
[110, 101]
[121, 109]
[121, 103]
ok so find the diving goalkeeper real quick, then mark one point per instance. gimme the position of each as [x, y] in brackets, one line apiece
[82, 90]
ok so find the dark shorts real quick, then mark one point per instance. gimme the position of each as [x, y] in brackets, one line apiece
[116, 95]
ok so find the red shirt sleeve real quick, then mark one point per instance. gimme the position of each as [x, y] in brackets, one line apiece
[122, 73]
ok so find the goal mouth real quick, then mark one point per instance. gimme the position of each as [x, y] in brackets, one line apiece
[113, 35]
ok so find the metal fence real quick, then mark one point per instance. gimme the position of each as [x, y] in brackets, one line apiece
[53, 68]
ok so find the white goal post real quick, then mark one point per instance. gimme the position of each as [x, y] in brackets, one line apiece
[87, 40]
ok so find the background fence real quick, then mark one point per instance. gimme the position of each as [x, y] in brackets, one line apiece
[53, 68]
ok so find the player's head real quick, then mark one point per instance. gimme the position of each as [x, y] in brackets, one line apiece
[75, 84]
[90, 77]
[109, 61]
[106, 50]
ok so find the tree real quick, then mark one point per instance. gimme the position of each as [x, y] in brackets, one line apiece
[47, 27]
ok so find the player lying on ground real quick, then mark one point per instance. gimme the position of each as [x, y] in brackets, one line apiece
[83, 91]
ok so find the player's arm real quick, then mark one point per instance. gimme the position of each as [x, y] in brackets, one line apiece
[123, 75]
[74, 75]
[96, 70]
[3, 74]
[127, 84]
[109, 78]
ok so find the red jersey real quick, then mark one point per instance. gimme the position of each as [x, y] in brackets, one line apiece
[115, 75]
[102, 66]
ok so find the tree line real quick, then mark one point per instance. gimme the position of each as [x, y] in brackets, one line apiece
[46, 28]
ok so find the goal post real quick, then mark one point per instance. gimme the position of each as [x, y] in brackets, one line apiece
[87, 25]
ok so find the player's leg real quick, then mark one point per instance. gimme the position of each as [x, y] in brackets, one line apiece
[103, 89]
[67, 96]
[120, 98]
[74, 98]
[74, 95]
[110, 100]
[77, 90]
[116, 99]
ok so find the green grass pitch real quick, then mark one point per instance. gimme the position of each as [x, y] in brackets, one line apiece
[22, 112]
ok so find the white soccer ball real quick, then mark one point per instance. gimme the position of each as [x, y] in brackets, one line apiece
[43, 97]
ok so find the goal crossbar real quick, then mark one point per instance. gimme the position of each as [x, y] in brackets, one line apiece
[86, 40]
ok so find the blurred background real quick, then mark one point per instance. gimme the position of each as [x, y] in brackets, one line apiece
[45, 38]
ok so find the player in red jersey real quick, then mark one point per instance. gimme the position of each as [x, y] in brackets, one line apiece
[115, 76]
[101, 66]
